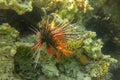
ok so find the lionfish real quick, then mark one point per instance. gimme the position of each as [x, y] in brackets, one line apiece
[53, 36]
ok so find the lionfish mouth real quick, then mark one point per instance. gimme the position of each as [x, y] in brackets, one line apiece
[53, 36]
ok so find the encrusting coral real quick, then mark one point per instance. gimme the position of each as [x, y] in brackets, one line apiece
[7, 51]
[65, 8]
[100, 67]
[20, 6]
[69, 38]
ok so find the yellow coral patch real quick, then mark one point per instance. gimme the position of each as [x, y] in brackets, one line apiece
[74, 45]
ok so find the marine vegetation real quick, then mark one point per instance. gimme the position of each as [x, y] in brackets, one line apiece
[48, 40]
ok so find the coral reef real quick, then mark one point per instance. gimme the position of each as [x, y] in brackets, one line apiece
[7, 51]
[101, 68]
[92, 47]
[18, 61]
[105, 22]
[65, 9]
[20, 6]
[82, 63]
